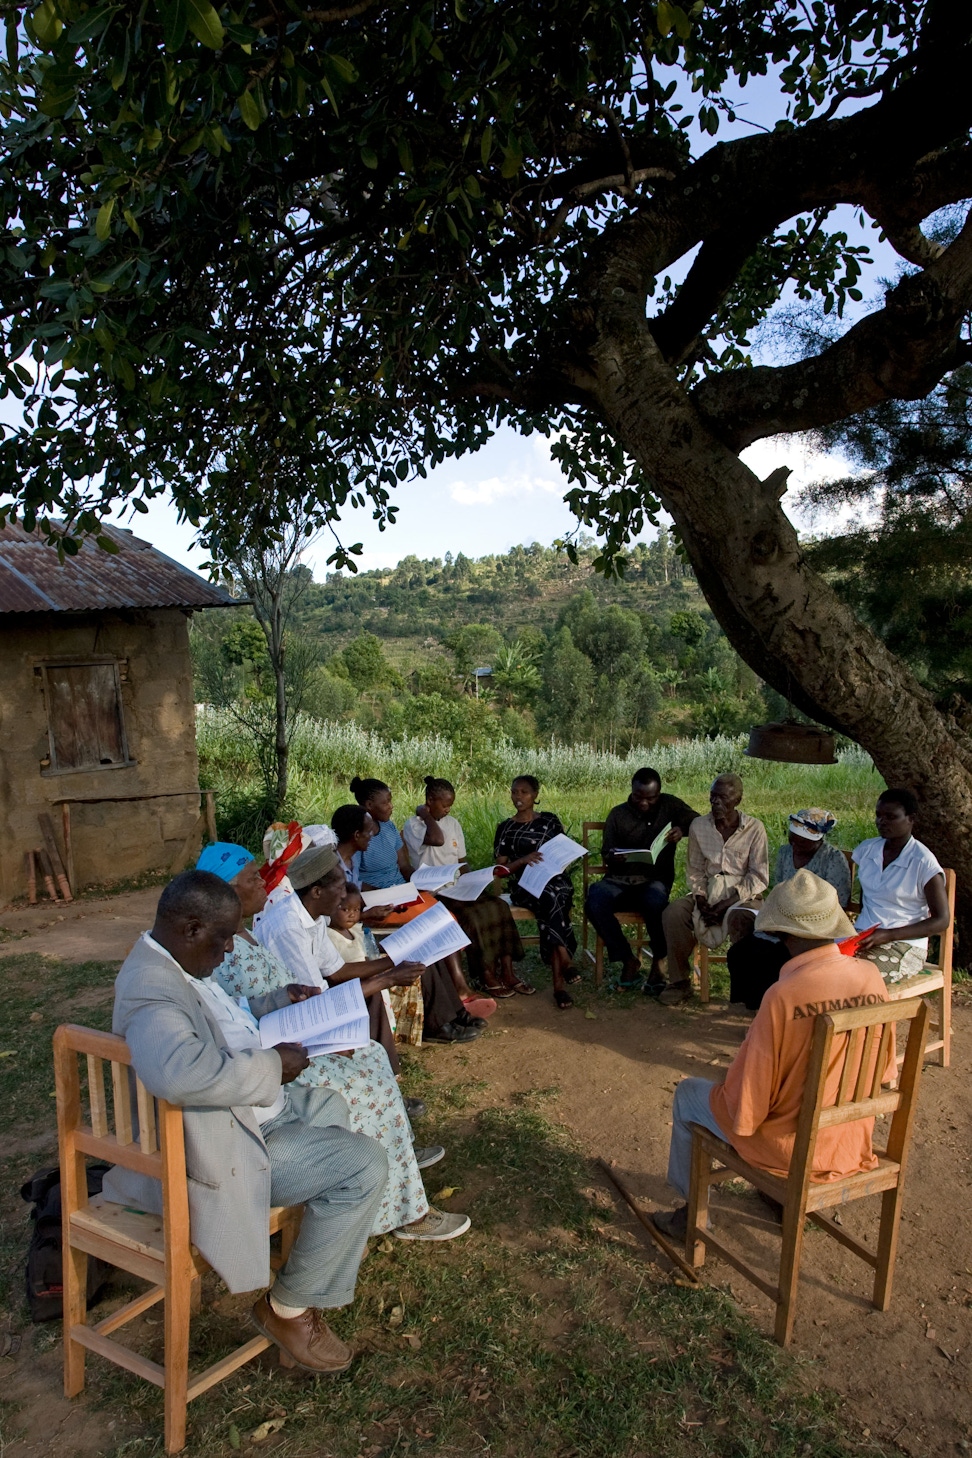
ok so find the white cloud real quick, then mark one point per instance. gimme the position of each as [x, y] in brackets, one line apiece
[493, 488]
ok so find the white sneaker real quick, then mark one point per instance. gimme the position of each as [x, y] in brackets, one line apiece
[436, 1225]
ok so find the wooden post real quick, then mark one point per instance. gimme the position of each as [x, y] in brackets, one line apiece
[47, 873]
[47, 831]
[210, 815]
[68, 845]
[31, 865]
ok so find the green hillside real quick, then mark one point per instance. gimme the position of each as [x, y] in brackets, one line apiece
[571, 656]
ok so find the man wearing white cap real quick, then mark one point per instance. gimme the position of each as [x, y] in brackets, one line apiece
[757, 1108]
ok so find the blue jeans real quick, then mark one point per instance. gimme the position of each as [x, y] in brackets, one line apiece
[690, 1106]
[647, 898]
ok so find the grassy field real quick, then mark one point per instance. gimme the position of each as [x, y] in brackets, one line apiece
[578, 783]
[542, 1331]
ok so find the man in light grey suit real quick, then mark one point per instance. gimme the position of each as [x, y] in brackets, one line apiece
[251, 1141]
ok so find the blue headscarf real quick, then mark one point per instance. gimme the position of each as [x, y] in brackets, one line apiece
[224, 859]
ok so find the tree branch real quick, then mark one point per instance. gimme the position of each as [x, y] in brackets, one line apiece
[900, 353]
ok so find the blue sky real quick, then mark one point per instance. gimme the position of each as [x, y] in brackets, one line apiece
[509, 492]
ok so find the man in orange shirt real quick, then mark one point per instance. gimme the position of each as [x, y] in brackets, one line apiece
[757, 1108]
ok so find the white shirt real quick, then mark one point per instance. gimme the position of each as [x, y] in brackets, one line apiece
[237, 1024]
[299, 941]
[894, 895]
[452, 850]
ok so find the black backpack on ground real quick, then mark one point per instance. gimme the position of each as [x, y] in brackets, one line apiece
[45, 1275]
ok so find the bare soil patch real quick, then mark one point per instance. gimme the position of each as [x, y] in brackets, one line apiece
[605, 1071]
[905, 1373]
[100, 930]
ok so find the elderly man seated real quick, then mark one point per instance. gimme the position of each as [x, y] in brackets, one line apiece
[252, 1139]
[727, 872]
[757, 1109]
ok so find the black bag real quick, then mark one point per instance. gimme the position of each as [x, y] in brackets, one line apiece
[45, 1274]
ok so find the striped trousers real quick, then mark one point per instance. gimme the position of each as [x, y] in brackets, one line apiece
[338, 1176]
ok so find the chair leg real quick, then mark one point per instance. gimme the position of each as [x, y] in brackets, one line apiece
[75, 1278]
[178, 1299]
[698, 1203]
[794, 1219]
[945, 1024]
[887, 1247]
[598, 962]
[195, 1296]
[703, 974]
[288, 1234]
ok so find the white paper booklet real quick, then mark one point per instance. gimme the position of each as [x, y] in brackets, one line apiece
[470, 886]
[557, 855]
[334, 1020]
[432, 878]
[426, 938]
[390, 896]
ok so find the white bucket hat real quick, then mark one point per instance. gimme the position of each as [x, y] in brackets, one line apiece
[805, 907]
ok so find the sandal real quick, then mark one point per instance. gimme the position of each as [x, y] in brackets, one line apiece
[523, 988]
[563, 999]
[500, 990]
[571, 976]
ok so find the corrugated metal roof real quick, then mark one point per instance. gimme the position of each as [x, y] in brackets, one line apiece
[33, 580]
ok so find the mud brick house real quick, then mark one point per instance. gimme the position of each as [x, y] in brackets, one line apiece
[97, 723]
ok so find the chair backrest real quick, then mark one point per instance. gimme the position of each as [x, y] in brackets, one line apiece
[943, 956]
[590, 869]
[850, 1053]
[123, 1124]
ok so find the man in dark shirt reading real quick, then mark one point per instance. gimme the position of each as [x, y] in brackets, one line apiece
[632, 885]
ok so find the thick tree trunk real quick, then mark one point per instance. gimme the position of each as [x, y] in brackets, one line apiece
[781, 617]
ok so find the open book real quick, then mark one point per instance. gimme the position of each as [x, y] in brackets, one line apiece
[390, 896]
[426, 938]
[645, 855]
[433, 878]
[331, 1023]
[557, 853]
[469, 886]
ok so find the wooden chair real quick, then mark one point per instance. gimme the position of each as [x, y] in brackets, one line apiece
[521, 914]
[704, 959]
[935, 982]
[866, 1035]
[590, 872]
[156, 1248]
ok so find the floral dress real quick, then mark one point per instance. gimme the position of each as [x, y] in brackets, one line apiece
[516, 839]
[364, 1079]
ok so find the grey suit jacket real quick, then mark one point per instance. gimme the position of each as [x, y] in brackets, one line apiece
[179, 1054]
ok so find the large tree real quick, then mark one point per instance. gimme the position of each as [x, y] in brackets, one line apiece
[360, 236]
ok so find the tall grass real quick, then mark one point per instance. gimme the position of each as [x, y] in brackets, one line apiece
[579, 783]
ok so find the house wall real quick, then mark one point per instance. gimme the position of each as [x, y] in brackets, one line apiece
[111, 841]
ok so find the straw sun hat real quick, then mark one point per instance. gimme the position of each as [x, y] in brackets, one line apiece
[804, 907]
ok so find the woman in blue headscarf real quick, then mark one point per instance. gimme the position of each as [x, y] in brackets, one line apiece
[364, 1077]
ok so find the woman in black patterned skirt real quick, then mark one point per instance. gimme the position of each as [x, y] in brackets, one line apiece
[516, 845]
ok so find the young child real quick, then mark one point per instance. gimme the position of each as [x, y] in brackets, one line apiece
[356, 943]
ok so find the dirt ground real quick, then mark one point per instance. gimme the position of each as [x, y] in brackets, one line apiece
[609, 1071]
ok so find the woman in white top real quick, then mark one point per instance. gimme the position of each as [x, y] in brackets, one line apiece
[433, 837]
[902, 890]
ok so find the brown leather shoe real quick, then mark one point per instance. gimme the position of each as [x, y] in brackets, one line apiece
[304, 1341]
